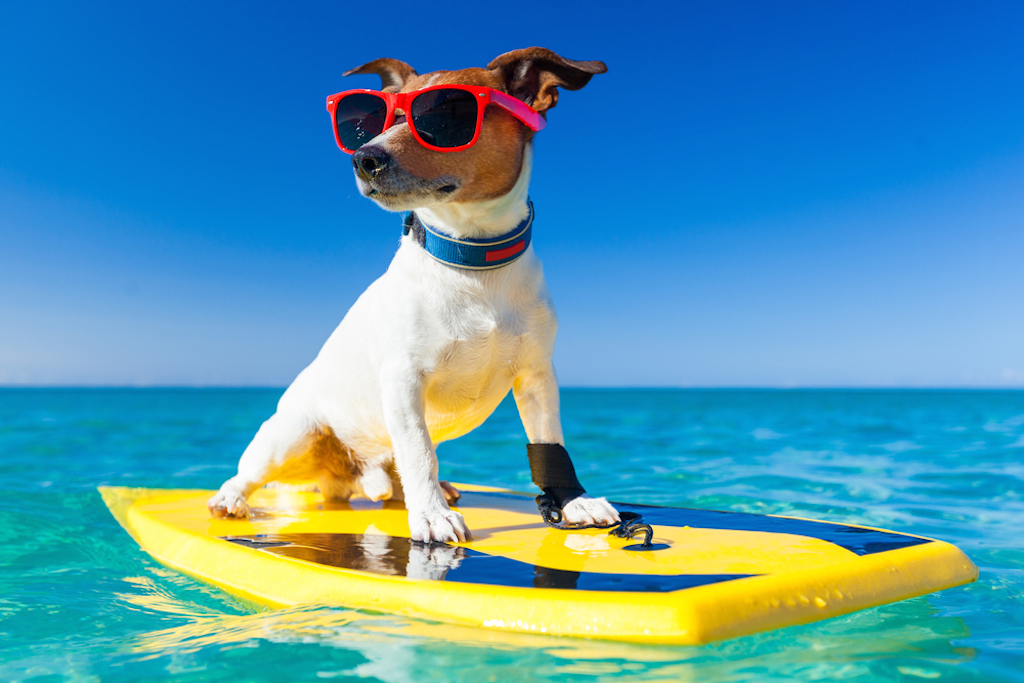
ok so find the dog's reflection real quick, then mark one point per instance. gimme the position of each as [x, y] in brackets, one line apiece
[433, 561]
[375, 553]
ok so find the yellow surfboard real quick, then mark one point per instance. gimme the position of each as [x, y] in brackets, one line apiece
[711, 575]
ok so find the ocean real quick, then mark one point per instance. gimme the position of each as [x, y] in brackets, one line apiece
[79, 601]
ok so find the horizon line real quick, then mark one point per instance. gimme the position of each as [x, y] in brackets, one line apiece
[649, 387]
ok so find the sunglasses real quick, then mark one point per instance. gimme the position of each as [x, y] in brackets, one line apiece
[442, 118]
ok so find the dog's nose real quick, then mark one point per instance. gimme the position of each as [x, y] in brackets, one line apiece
[370, 161]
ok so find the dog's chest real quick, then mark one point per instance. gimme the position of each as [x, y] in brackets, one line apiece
[482, 345]
[486, 341]
[468, 334]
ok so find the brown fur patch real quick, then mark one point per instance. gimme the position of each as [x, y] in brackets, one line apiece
[333, 457]
[323, 459]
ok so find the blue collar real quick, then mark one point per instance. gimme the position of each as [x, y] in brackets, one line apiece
[472, 254]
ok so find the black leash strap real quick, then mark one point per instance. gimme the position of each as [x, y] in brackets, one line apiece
[553, 472]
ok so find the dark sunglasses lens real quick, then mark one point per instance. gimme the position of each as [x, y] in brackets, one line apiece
[445, 118]
[360, 118]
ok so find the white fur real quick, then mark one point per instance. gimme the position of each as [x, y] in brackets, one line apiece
[424, 355]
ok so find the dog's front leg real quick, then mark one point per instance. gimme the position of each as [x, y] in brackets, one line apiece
[536, 393]
[280, 437]
[430, 518]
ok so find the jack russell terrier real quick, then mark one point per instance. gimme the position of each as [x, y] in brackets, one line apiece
[461, 316]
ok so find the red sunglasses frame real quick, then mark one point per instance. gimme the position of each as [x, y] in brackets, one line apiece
[403, 100]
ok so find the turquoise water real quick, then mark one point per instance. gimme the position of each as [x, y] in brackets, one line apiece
[80, 601]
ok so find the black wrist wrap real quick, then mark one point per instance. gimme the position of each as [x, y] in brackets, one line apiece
[553, 472]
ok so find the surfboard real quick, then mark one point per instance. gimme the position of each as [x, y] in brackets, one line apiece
[708, 576]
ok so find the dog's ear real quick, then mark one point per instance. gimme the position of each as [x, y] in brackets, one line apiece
[393, 73]
[534, 75]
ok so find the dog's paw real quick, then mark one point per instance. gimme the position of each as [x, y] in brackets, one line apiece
[439, 524]
[228, 503]
[376, 484]
[587, 510]
[451, 494]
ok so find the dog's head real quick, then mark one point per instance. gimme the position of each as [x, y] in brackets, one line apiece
[399, 174]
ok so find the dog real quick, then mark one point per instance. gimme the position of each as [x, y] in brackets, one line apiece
[432, 347]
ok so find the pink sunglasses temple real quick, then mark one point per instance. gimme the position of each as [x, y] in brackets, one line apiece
[519, 109]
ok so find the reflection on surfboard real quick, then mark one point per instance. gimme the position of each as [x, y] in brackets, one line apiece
[396, 556]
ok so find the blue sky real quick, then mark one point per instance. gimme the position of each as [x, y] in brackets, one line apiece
[755, 194]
